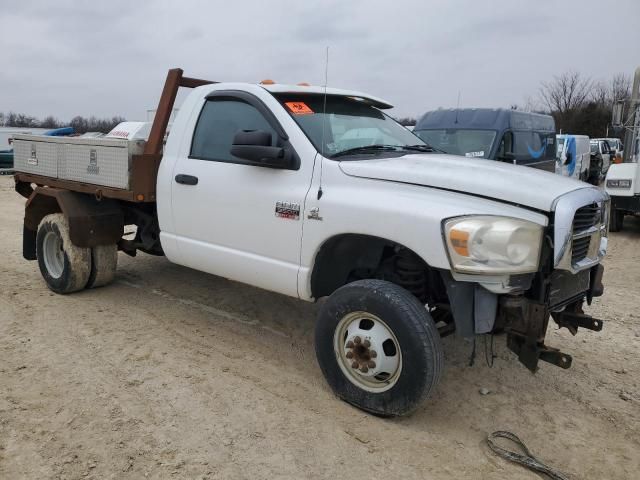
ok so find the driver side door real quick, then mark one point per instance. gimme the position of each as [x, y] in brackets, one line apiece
[234, 218]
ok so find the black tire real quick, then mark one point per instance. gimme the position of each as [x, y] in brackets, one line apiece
[68, 270]
[595, 172]
[416, 334]
[616, 220]
[104, 262]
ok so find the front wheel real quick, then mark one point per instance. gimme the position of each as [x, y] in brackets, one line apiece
[378, 347]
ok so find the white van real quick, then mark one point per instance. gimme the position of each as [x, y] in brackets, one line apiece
[573, 156]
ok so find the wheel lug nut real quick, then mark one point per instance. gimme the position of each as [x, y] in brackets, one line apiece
[364, 369]
[349, 344]
[371, 364]
[349, 355]
[355, 365]
[373, 354]
[366, 344]
[357, 340]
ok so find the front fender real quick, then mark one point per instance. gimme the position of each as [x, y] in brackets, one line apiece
[409, 215]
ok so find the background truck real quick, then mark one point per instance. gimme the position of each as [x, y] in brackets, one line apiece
[623, 179]
[521, 138]
[601, 159]
[317, 194]
[573, 156]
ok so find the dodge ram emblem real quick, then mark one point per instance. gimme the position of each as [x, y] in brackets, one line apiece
[288, 210]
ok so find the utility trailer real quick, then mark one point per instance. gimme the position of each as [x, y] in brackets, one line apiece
[403, 242]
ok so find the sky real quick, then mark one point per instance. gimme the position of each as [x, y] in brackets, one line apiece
[67, 58]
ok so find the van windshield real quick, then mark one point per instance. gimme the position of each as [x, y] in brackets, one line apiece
[467, 142]
[348, 127]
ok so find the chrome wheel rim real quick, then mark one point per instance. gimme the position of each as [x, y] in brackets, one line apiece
[53, 254]
[367, 352]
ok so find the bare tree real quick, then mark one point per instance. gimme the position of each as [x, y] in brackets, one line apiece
[50, 122]
[600, 94]
[620, 87]
[566, 92]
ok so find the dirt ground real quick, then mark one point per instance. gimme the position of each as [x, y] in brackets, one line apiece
[172, 373]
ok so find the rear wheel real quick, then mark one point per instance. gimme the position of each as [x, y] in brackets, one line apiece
[616, 220]
[64, 266]
[378, 347]
[104, 261]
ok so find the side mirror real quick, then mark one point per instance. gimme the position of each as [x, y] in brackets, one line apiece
[255, 146]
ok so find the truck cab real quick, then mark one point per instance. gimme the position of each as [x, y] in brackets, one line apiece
[521, 138]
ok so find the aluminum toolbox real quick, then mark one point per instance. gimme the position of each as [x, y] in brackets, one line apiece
[36, 154]
[98, 161]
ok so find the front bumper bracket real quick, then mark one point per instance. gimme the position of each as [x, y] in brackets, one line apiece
[531, 352]
[574, 320]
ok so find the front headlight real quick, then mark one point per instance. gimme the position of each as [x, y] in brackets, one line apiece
[493, 245]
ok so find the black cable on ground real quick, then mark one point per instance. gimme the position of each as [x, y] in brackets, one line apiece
[526, 460]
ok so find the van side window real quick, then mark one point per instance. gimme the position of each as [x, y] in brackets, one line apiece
[506, 145]
[219, 121]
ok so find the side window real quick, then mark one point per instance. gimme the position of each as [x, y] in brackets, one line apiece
[523, 147]
[506, 145]
[532, 146]
[219, 121]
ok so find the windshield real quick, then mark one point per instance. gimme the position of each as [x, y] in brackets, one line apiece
[467, 142]
[348, 124]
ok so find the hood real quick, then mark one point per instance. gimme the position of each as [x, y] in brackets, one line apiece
[487, 178]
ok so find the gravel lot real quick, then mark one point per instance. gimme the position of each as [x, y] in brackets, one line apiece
[171, 373]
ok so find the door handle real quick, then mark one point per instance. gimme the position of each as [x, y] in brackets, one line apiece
[186, 179]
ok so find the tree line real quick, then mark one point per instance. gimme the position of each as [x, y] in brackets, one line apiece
[581, 105]
[80, 124]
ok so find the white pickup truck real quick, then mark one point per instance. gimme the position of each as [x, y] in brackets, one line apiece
[315, 193]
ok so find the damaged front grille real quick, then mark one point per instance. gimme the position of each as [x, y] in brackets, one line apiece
[580, 248]
[580, 229]
[585, 218]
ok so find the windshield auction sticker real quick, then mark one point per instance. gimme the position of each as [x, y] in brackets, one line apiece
[475, 154]
[299, 108]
